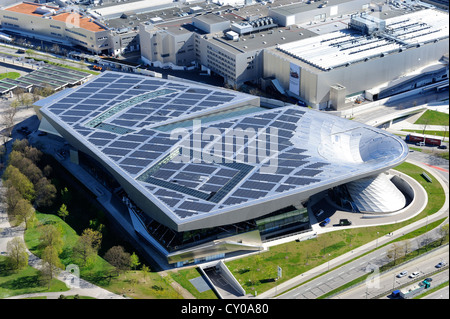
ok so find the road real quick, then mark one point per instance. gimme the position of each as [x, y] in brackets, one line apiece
[388, 281]
[350, 271]
[398, 105]
[440, 294]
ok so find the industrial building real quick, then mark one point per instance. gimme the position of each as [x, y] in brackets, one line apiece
[372, 58]
[56, 25]
[310, 10]
[230, 42]
[206, 172]
[387, 48]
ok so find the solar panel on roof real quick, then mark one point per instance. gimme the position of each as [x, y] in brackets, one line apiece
[133, 138]
[98, 142]
[250, 194]
[210, 188]
[116, 151]
[131, 169]
[183, 213]
[124, 144]
[135, 162]
[142, 154]
[198, 207]
[308, 172]
[299, 181]
[258, 185]
[266, 177]
[163, 174]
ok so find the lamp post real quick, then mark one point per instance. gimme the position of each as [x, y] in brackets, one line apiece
[376, 246]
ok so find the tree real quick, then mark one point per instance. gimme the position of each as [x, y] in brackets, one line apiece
[145, 270]
[45, 192]
[66, 195]
[24, 212]
[87, 246]
[118, 258]
[32, 153]
[19, 145]
[17, 253]
[15, 178]
[395, 252]
[11, 197]
[443, 232]
[51, 263]
[26, 166]
[63, 212]
[134, 261]
[2, 153]
[7, 121]
[47, 170]
[51, 236]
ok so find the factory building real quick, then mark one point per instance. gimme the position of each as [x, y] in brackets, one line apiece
[372, 58]
[57, 25]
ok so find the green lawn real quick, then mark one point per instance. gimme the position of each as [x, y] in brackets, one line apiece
[182, 276]
[9, 75]
[431, 117]
[132, 283]
[437, 133]
[258, 272]
[24, 281]
[70, 237]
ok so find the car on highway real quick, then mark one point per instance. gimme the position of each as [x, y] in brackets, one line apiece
[442, 147]
[441, 264]
[414, 274]
[402, 274]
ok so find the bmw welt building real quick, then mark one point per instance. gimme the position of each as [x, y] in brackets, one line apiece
[206, 172]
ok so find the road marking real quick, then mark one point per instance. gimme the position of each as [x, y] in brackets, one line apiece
[437, 167]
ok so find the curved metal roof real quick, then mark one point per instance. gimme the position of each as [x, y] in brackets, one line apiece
[224, 159]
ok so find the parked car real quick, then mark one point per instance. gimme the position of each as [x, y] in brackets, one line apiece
[325, 222]
[441, 264]
[402, 274]
[344, 222]
[414, 274]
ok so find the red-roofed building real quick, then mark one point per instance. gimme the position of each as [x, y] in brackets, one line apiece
[54, 24]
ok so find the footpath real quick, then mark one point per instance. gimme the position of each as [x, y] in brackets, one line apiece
[76, 285]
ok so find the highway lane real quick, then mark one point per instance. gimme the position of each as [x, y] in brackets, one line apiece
[388, 281]
[353, 270]
[439, 294]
